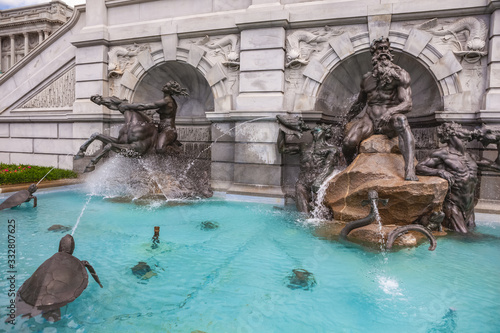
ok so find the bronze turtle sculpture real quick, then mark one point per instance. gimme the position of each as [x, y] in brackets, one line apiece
[57, 282]
[143, 271]
[301, 279]
[209, 225]
[59, 227]
[19, 197]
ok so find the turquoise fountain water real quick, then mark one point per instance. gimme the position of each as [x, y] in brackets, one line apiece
[233, 278]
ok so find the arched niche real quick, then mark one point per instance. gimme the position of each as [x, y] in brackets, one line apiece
[340, 88]
[200, 99]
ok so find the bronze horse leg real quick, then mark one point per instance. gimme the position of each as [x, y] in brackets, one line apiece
[96, 136]
[111, 144]
[91, 166]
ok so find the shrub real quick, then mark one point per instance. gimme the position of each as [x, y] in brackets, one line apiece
[17, 174]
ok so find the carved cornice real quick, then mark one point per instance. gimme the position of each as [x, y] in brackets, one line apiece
[28, 22]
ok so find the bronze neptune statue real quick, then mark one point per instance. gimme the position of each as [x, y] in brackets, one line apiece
[384, 98]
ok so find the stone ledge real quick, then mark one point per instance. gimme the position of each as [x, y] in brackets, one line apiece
[44, 184]
[488, 206]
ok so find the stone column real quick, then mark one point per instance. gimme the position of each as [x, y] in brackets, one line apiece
[12, 50]
[45, 34]
[26, 44]
[91, 74]
[492, 95]
[490, 182]
[257, 162]
[40, 37]
[1, 69]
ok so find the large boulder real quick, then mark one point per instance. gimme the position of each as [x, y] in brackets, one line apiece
[380, 166]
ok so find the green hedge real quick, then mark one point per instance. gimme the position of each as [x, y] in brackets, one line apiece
[17, 174]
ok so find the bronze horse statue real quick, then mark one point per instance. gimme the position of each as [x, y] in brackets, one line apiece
[139, 135]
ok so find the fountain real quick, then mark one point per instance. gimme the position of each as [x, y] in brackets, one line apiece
[257, 246]
[379, 149]
[153, 145]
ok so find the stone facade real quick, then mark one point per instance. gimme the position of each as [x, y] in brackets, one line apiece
[23, 29]
[244, 62]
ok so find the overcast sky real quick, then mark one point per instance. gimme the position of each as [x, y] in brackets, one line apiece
[6, 4]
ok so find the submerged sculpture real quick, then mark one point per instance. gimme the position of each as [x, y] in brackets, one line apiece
[143, 271]
[317, 158]
[139, 135]
[19, 197]
[57, 282]
[459, 168]
[59, 227]
[301, 279]
[209, 225]
[384, 98]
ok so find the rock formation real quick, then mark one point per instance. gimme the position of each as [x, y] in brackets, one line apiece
[380, 166]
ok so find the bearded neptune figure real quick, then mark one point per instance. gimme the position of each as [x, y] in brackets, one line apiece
[384, 98]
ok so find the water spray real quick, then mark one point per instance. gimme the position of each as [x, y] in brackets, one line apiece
[220, 136]
[45, 176]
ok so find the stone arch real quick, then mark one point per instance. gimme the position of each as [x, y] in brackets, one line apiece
[200, 98]
[190, 68]
[348, 58]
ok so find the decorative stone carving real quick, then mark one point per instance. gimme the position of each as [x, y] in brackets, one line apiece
[475, 30]
[229, 47]
[196, 134]
[122, 58]
[301, 44]
[60, 93]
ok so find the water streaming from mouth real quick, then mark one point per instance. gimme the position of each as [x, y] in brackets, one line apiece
[45, 176]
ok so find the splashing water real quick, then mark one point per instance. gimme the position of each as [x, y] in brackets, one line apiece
[220, 136]
[153, 177]
[81, 214]
[321, 212]
[148, 177]
[389, 285]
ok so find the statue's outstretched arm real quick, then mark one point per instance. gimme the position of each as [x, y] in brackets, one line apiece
[92, 271]
[286, 148]
[142, 106]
